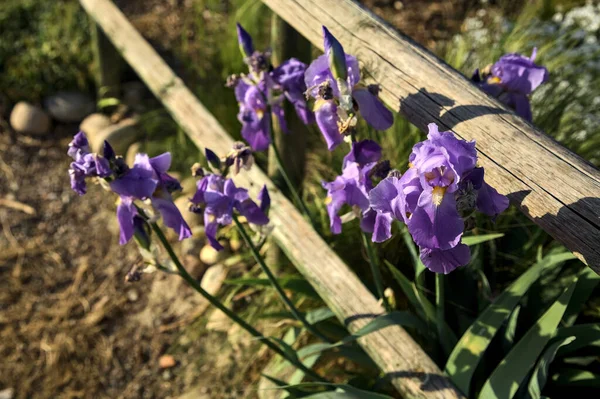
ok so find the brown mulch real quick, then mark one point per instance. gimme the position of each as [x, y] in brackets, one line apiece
[66, 314]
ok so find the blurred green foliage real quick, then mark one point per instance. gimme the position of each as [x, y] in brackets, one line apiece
[44, 47]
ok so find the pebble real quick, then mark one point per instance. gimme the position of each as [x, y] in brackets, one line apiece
[132, 295]
[94, 124]
[120, 136]
[69, 106]
[210, 256]
[7, 393]
[166, 362]
[29, 118]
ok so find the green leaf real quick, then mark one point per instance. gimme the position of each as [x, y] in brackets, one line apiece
[419, 301]
[474, 240]
[586, 283]
[294, 284]
[587, 335]
[470, 348]
[404, 319]
[508, 376]
[419, 266]
[577, 378]
[511, 330]
[320, 314]
[540, 373]
[349, 391]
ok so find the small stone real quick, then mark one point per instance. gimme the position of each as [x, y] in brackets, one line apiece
[29, 118]
[94, 124]
[120, 136]
[235, 244]
[7, 393]
[210, 256]
[166, 362]
[132, 295]
[132, 151]
[167, 375]
[69, 106]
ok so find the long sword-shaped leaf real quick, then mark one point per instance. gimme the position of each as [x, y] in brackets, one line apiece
[512, 370]
[540, 374]
[474, 240]
[587, 282]
[470, 348]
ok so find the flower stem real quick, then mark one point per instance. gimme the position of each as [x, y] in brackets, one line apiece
[260, 260]
[288, 182]
[216, 303]
[376, 271]
[440, 312]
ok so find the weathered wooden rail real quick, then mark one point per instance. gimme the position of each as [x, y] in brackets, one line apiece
[408, 367]
[555, 188]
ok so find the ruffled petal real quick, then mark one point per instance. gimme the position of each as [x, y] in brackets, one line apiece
[327, 119]
[444, 261]
[363, 152]
[252, 212]
[211, 229]
[436, 226]
[125, 213]
[381, 197]
[161, 163]
[172, 218]
[372, 109]
[382, 230]
[490, 202]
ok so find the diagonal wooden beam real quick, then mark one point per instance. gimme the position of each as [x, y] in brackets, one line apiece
[555, 188]
[408, 367]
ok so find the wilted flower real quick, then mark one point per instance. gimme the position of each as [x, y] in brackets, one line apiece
[511, 80]
[442, 187]
[265, 88]
[352, 188]
[218, 197]
[86, 164]
[240, 157]
[146, 179]
[333, 80]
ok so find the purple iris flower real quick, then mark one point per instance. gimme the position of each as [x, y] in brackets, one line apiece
[333, 80]
[220, 197]
[85, 164]
[352, 188]
[442, 186]
[148, 179]
[512, 79]
[266, 86]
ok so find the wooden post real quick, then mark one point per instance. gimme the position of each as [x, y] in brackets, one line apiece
[287, 43]
[108, 64]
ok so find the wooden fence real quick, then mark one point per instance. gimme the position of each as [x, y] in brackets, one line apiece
[555, 188]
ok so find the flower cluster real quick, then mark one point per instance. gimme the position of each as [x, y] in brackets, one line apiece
[218, 197]
[333, 80]
[263, 90]
[511, 79]
[147, 179]
[352, 188]
[442, 187]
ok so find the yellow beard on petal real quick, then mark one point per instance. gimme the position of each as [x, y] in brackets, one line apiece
[328, 200]
[494, 80]
[438, 195]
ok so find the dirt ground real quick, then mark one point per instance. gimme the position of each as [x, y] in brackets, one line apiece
[70, 326]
